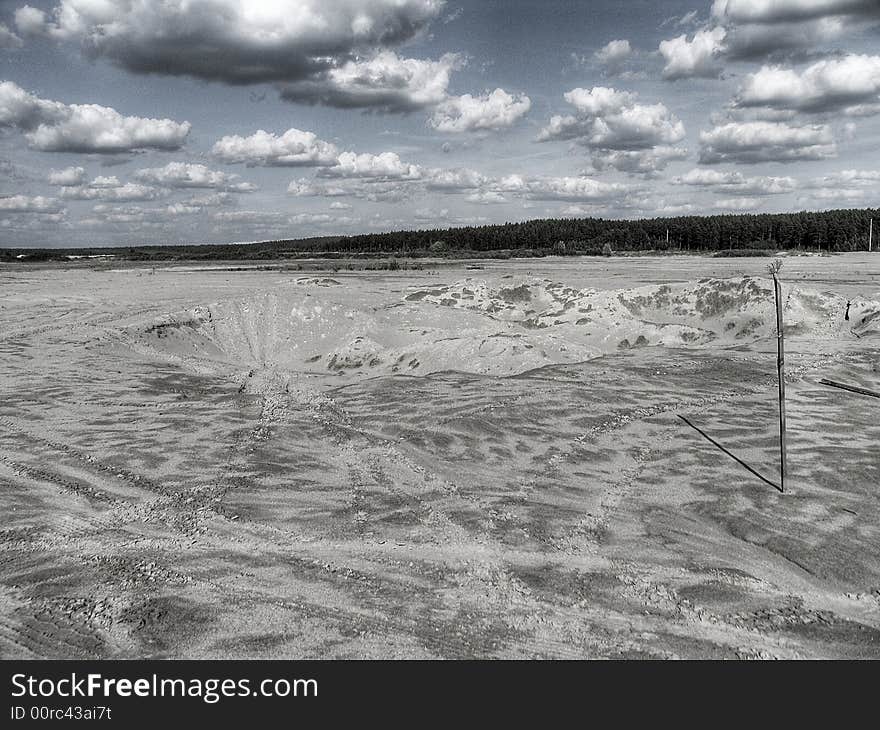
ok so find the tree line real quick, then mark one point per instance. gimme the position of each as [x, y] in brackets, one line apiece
[833, 231]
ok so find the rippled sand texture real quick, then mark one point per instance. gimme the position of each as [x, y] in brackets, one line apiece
[438, 464]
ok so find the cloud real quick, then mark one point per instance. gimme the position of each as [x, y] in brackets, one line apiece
[846, 194]
[850, 177]
[763, 29]
[28, 204]
[31, 21]
[611, 119]
[669, 208]
[161, 218]
[687, 19]
[696, 57]
[754, 142]
[233, 41]
[429, 214]
[384, 166]
[845, 185]
[782, 41]
[212, 200]
[785, 11]
[189, 175]
[294, 148]
[834, 84]
[774, 28]
[486, 197]
[613, 56]
[74, 186]
[110, 189]
[384, 82]
[736, 183]
[638, 162]
[8, 39]
[51, 126]
[738, 204]
[261, 221]
[251, 217]
[455, 180]
[128, 215]
[608, 121]
[386, 177]
[491, 111]
[579, 211]
[574, 189]
[68, 177]
[311, 189]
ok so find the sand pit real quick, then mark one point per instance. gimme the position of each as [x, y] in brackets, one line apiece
[501, 327]
[438, 464]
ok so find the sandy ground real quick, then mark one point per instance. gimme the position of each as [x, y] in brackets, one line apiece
[438, 464]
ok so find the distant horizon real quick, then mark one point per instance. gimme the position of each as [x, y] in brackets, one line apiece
[224, 121]
[423, 230]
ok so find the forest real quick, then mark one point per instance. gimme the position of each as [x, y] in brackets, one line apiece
[830, 231]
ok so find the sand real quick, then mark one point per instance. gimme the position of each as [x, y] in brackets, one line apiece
[450, 464]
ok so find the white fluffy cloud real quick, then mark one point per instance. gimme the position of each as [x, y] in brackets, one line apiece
[574, 189]
[847, 83]
[110, 189]
[491, 111]
[31, 21]
[29, 204]
[754, 142]
[189, 175]
[384, 166]
[303, 188]
[234, 41]
[613, 55]
[609, 121]
[698, 56]
[614, 52]
[51, 126]
[736, 183]
[68, 177]
[385, 82]
[294, 148]
[455, 180]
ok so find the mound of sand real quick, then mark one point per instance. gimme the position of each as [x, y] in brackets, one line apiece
[500, 327]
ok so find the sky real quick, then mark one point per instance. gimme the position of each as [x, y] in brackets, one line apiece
[193, 121]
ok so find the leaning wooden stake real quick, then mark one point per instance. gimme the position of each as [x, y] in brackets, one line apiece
[780, 371]
[851, 388]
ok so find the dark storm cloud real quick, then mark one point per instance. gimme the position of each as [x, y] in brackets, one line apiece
[231, 41]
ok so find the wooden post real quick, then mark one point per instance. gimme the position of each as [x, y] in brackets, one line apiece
[780, 371]
[871, 235]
